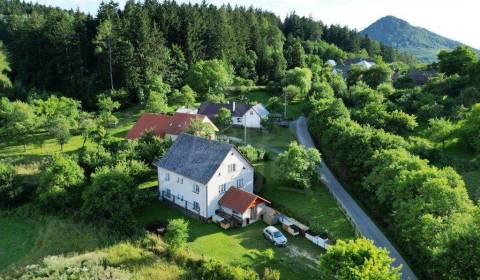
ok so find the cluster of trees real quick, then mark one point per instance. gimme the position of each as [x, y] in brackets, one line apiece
[98, 186]
[124, 51]
[426, 208]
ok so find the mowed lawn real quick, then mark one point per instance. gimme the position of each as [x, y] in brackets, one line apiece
[242, 246]
[316, 206]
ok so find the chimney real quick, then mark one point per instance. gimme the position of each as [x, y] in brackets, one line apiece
[233, 106]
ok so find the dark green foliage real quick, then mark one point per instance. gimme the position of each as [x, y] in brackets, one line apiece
[224, 118]
[209, 77]
[111, 199]
[151, 148]
[459, 61]
[9, 189]
[216, 270]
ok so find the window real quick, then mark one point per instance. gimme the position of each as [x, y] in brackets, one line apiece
[222, 188]
[240, 182]
[251, 113]
[169, 193]
[167, 177]
[231, 168]
[196, 206]
[239, 119]
[180, 180]
[196, 188]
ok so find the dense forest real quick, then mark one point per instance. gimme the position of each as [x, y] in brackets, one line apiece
[401, 147]
[80, 56]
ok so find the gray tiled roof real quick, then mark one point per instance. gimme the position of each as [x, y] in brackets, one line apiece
[194, 157]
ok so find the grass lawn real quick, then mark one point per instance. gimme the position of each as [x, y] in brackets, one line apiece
[17, 238]
[316, 207]
[242, 246]
[472, 181]
[25, 241]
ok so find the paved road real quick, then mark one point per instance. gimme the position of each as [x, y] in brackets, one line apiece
[364, 224]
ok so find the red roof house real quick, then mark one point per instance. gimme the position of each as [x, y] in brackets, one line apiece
[241, 204]
[164, 125]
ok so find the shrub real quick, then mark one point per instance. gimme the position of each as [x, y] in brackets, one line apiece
[60, 182]
[177, 233]
[9, 191]
[271, 274]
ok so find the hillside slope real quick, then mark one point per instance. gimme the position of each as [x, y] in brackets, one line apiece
[418, 41]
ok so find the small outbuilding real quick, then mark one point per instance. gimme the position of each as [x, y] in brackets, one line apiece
[242, 206]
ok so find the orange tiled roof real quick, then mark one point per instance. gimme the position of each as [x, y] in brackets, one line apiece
[239, 200]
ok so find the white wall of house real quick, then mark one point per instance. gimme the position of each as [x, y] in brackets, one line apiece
[243, 171]
[250, 119]
[183, 188]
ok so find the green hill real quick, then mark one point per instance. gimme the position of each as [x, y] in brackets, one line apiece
[418, 41]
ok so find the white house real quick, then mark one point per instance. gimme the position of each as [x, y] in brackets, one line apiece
[196, 173]
[242, 114]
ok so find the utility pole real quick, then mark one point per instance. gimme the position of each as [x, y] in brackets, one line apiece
[245, 129]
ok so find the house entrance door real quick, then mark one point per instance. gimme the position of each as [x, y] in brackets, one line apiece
[253, 213]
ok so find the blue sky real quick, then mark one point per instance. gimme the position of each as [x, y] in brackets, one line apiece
[457, 19]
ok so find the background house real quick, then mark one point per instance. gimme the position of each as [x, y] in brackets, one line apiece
[242, 114]
[196, 172]
[165, 126]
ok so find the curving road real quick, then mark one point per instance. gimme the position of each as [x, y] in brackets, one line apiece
[362, 221]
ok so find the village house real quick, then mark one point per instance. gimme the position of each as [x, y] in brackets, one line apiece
[242, 114]
[209, 178]
[166, 126]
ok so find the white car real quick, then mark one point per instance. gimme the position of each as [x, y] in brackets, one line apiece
[272, 234]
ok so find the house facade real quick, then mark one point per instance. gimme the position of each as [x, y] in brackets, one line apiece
[195, 174]
[166, 126]
[242, 114]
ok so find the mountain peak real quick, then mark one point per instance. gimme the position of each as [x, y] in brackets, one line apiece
[400, 34]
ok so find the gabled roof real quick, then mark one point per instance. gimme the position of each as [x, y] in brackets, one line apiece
[195, 157]
[162, 124]
[236, 108]
[239, 200]
[261, 110]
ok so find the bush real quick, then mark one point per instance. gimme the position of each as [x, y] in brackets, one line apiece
[271, 274]
[9, 190]
[253, 154]
[111, 199]
[177, 233]
[215, 270]
[60, 183]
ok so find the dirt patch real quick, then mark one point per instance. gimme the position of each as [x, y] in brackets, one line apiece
[294, 251]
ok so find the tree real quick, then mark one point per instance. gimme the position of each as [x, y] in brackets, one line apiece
[377, 74]
[111, 199]
[60, 130]
[4, 69]
[291, 92]
[298, 165]
[459, 61]
[299, 77]
[151, 147]
[60, 182]
[295, 54]
[200, 128]
[106, 106]
[156, 103]
[184, 97]
[209, 77]
[439, 130]
[358, 259]
[88, 126]
[249, 152]
[104, 41]
[177, 233]
[19, 120]
[469, 128]
[224, 118]
[9, 191]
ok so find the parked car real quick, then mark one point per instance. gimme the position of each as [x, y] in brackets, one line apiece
[272, 234]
